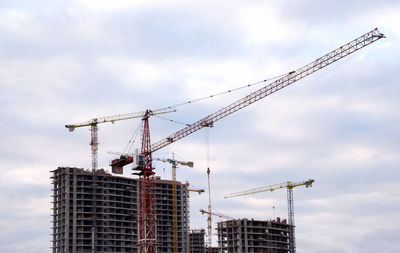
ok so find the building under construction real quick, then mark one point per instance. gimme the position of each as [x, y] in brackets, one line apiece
[102, 216]
[252, 236]
[196, 241]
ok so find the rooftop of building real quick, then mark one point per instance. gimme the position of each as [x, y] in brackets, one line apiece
[106, 173]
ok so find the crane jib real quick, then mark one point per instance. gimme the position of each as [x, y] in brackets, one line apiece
[275, 86]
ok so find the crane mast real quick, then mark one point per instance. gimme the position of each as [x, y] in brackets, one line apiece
[209, 218]
[289, 186]
[147, 216]
[253, 97]
[292, 237]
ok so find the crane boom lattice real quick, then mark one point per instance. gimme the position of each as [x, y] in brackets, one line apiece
[275, 86]
[271, 187]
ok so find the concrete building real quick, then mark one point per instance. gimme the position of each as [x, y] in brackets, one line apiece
[251, 236]
[196, 241]
[111, 203]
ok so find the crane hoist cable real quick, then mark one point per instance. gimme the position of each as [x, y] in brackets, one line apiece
[129, 146]
[173, 121]
[225, 92]
[213, 96]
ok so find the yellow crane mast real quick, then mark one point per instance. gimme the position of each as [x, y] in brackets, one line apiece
[174, 163]
[289, 185]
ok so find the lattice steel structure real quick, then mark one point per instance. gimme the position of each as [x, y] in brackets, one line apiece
[147, 216]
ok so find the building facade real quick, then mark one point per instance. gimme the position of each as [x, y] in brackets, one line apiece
[252, 236]
[99, 213]
[196, 241]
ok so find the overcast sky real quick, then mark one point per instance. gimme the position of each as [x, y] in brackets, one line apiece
[69, 61]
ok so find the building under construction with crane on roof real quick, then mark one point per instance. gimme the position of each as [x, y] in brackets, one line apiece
[116, 213]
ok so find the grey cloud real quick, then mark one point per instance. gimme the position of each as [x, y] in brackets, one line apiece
[158, 34]
[146, 33]
[242, 156]
[380, 240]
[318, 12]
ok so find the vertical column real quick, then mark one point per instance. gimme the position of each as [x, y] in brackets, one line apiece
[187, 207]
[67, 209]
[181, 217]
[246, 236]
[55, 210]
[74, 211]
[94, 211]
[239, 241]
[292, 243]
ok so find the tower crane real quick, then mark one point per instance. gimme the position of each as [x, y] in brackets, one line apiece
[174, 164]
[147, 235]
[94, 147]
[289, 186]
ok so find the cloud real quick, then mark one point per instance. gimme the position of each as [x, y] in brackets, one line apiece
[335, 229]
[108, 6]
[64, 62]
[331, 12]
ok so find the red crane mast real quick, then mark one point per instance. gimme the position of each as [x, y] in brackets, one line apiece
[147, 215]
